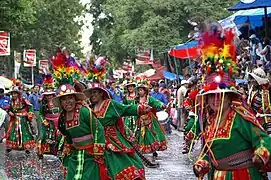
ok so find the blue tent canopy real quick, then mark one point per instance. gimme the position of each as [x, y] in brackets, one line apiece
[171, 76]
[187, 45]
[252, 5]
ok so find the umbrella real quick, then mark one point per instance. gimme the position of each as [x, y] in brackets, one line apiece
[253, 4]
[6, 82]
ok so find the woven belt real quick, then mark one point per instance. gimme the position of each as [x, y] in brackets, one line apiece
[236, 161]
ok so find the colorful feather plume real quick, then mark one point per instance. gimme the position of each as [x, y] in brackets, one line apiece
[47, 81]
[218, 53]
[96, 69]
[143, 81]
[65, 69]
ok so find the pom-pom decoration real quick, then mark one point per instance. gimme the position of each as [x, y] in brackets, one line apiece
[66, 70]
[218, 51]
[47, 81]
[96, 69]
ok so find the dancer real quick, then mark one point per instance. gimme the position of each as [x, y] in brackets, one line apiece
[151, 136]
[120, 156]
[19, 135]
[49, 136]
[259, 97]
[235, 145]
[83, 152]
[130, 121]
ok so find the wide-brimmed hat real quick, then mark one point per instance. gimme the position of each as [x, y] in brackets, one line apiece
[260, 76]
[219, 63]
[48, 91]
[15, 89]
[183, 82]
[98, 86]
[65, 90]
[130, 83]
[216, 83]
[80, 86]
[48, 84]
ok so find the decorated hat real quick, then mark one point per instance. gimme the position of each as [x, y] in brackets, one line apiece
[98, 86]
[143, 82]
[218, 61]
[66, 72]
[67, 89]
[96, 75]
[15, 89]
[260, 76]
[129, 82]
[48, 84]
[80, 86]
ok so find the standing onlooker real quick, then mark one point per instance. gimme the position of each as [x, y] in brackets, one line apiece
[115, 92]
[4, 104]
[35, 100]
[180, 99]
[158, 95]
[266, 52]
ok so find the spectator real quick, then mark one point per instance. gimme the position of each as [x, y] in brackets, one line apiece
[158, 95]
[266, 52]
[115, 92]
[35, 100]
[182, 91]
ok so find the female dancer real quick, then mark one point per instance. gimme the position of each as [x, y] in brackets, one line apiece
[49, 136]
[120, 156]
[19, 136]
[151, 136]
[130, 121]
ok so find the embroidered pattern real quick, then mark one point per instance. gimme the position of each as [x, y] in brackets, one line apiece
[75, 121]
[101, 113]
[223, 132]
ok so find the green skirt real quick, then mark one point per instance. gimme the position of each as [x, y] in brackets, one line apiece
[120, 158]
[81, 165]
[19, 136]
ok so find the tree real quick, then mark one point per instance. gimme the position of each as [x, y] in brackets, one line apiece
[43, 25]
[122, 26]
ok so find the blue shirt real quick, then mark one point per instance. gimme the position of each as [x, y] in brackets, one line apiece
[159, 96]
[116, 95]
[25, 95]
[34, 100]
[4, 102]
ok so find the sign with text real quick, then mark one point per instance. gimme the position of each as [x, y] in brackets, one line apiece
[4, 43]
[43, 66]
[29, 58]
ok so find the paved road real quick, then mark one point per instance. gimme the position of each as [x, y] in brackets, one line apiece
[18, 166]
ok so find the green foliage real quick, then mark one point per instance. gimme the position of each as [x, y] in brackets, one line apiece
[43, 25]
[123, 26]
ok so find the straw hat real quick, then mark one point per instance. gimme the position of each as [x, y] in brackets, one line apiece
[260, 76]
[67, 89]
[98, 86]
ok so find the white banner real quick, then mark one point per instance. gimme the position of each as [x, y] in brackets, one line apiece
[29, 58]
[4, 43]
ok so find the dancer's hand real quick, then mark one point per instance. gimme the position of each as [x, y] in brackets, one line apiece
[200, 168]
[257, 160]
[11, 113]
[197, 170]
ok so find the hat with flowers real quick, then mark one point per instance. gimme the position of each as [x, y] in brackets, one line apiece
[96, 76]
[48, 84]
[66, 72]
[218, 61]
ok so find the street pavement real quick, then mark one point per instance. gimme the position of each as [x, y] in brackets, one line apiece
[19, 166]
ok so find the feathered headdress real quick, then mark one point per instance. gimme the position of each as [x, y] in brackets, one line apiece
[218, 60]
[66, 70]
[143, 82]
[96, 69]
[47, 81]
